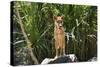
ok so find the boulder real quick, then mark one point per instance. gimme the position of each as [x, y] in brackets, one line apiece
[61, 59]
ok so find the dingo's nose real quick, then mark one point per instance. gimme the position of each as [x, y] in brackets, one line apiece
[60, 25]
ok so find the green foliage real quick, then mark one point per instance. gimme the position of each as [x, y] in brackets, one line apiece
[80, 21]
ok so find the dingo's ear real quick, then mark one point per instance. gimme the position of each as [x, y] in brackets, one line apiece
[62, 17]
[54, 17]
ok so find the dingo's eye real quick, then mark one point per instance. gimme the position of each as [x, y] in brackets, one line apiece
[59, 21]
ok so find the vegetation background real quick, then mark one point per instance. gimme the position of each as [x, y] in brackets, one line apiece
[33, 31]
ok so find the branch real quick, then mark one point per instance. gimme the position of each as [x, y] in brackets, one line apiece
[34, 59]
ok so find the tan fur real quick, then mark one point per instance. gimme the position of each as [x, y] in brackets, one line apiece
[59, 36]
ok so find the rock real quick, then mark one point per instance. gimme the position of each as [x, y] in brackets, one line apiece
[61, 59]
[47, 60]
[93, 59]
[73, 57]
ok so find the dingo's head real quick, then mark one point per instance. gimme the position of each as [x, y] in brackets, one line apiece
[58, 21]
